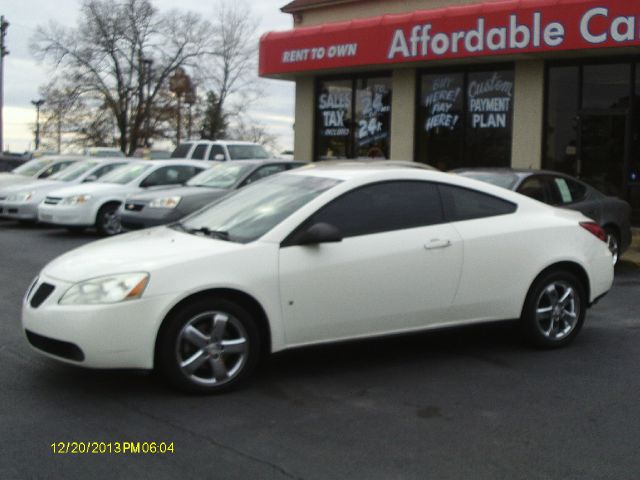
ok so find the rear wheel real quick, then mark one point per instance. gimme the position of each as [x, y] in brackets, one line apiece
[107, 220]
[554, 310]
[613, 242]
[210, 346]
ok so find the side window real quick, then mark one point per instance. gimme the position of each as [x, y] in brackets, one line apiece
[199, 152]
[170, 175]
[577, 189]
[383, 207]
[55, 168]
[464, 204]
[215, 150]
[264, 172]
[534, 187]
[106, 169]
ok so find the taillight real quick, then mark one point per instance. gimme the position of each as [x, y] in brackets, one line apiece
[595, 229]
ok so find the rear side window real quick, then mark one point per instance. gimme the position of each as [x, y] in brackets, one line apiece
[578, 191]
[383, 207]
[215, 150]
[465, 204]
[199, 152]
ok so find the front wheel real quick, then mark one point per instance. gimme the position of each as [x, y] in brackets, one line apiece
[210, 346]
[554, 310]
[108, 221]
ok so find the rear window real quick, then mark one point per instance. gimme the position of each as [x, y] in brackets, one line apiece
[247, 152]
[466, 204]
[504, 180]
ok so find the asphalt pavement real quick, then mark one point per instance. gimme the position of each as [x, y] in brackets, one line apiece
[469, 403]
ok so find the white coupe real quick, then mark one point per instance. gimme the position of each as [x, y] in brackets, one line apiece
[319, 254]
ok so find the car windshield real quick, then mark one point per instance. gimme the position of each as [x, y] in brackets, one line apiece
[250, 212]
[74, 171]
[246, 152]
[181, 150]
[224, 175]
[32, 167]
[499, 179]
[126, 174]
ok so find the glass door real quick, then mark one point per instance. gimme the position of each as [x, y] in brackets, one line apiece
[601, 151]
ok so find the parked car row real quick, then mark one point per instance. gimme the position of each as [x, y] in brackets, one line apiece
[324, 253]
[106, 193]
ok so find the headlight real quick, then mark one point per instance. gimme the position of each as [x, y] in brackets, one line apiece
[75, 200]
[108, 289]
[166, 202]
[20, 197]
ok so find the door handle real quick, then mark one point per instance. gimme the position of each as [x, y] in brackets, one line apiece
[437, 243]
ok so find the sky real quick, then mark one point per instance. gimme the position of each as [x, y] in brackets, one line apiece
[23, 75]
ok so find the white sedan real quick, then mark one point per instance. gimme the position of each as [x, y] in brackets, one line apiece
[319, 254]
[96, 204]
[20, 202]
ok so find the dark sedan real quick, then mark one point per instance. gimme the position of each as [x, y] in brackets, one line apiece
[168, 205]
[558, 189]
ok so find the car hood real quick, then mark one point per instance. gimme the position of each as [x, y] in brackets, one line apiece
[7, 179]
[183, 192]
[34, 186]
[143, 251]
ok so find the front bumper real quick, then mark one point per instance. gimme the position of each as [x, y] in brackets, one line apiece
[120, 335]
[19, 211]
[72, 215]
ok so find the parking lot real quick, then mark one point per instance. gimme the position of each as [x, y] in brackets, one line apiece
[464, 403]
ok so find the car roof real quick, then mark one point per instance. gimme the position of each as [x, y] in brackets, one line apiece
[221, 142]
[346, 169]
[519, 172]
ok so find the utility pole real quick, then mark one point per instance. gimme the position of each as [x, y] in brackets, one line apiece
[37, 104]
[3, 53]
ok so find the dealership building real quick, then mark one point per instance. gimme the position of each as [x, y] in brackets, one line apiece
[551, 84]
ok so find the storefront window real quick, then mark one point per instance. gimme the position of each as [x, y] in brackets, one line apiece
[606, 86]
[441, 126]
[465, 118]
[373, 118]
[334, 124]
[353, 118]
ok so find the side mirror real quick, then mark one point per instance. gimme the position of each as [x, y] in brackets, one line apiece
[90, 178]
[319, 233]
[219, 157]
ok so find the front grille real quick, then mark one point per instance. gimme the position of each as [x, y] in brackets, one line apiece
[55, 347]
[52, 200]
[133, 207]
[43, 291]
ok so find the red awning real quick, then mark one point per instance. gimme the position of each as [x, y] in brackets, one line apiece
[475, 30]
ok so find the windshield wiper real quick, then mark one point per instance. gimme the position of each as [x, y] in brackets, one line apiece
[207, 232]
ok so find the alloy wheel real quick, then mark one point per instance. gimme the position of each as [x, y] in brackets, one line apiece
[557, 310]
[212, 348]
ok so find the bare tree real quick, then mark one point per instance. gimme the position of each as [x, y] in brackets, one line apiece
[230, 76]
[253, 131]
[106, 57]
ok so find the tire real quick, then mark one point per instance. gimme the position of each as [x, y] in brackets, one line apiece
[613, 242]
[209, 346]
[107, 221]
[547, 320]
